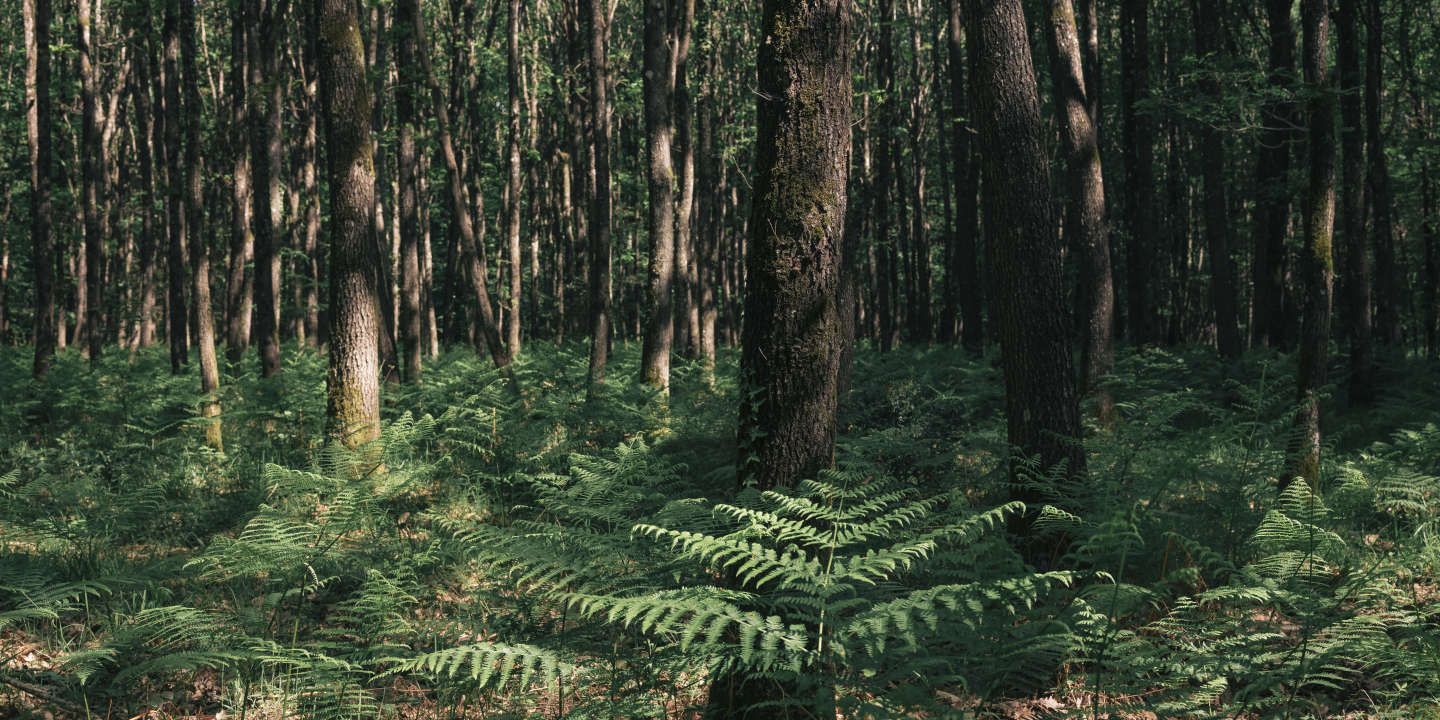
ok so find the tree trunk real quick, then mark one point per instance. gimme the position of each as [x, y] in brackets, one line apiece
[1272, 186]
[92, 162]
[265, 158]
[600, 261]
[407, 13]
[1355, 284]
[314, 271]
[240, 278]
[884, 177]
[1042, 412]
[512, 154]
[660, 325]
[175, 256]
[1217, 210]
[962, 272]
[687, 268]
[194, 222]
[353, 376]
[1085, 222]
[1317, 265]
[1388, 296]
[37, 119]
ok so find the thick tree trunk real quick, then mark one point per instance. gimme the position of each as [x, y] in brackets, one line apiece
[1085, 221]
[175, 255]
[1042, 411]
[194, 223]
[1317, 264]
[1355, 282]
[406, 20]
[92, 163]
[353, 378]
[600, 261]
[1217, 211]
[962, 272]
[1272, 186]
[1388, 281]
[37, 120]
[660, 323]
[265, 163]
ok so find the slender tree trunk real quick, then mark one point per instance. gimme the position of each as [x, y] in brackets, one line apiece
[921, 321]
[406, 20]
[143, 130]
[1355, 284]
[1042, 411]
[1085, 221]
[37, 118]
[884, 177]
[686, 261]
[1217, 211]
[1138, 139]
[1317, 263]
[962, 272]
[240, 278]
[175, 182]
[265, 163]
[707, 262]
[512, 153]
[1388, 296]
[1272, 187]
[353, 378]
[600, 261]
[194, 224]
[92, 161]
[660, 325]
[314, 271]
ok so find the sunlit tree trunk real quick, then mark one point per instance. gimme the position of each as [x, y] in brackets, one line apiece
[37, 121]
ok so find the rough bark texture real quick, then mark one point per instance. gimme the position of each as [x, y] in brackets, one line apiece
[687, 269]
[92, 171]
[1137, 131]
[1389, 295]
[175, 197]
[406, 17]
[1217, 212]
[265, 164]
[1042, 412]
[353, 377]
[660, 324]
[1272, 186]
[240, 278]
[1355, 306]
[962, 272]
[1085, 220]
[194, 223]
[1317, 265]
[595, 16]
[37, 119]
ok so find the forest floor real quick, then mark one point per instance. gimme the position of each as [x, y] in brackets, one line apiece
[549, 556]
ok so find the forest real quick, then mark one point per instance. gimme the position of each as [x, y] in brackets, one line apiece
[706, 359]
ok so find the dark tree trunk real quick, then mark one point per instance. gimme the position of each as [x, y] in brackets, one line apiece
[194, 224]
[885, 300]
[687, 268]
[1316, 262]
[314, 328]
[1217, 211]
[37, 119]
[962, 272]
[1085, 221]
[240, 277]
[1355, 281]
[600, 261]
[1388, 296]
[407, 14]
[175, 256]
[265, 163]
[353, 378]
[660, 323]
[92, 162]
[1138, 138]
[1042, 411]
[1272, 186]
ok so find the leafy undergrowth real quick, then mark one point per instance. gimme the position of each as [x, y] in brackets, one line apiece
[552, 557]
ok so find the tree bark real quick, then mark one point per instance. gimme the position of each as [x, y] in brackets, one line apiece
[962, 272]
[1317, 263]
[1085, 221]
[92, 162]
[194, 222]
[37, 120]
[407, 14]
[265, 164]
[512, 154]
[1138, 139]
[1042, 412]
[660, 324]
[1388, 280]
[353, 376]
[1272, 186]
[600, 261]
[178, 330]
[1217, 212]
[687, 267]
[1355, 284]
[884, 177]
[240, 277]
